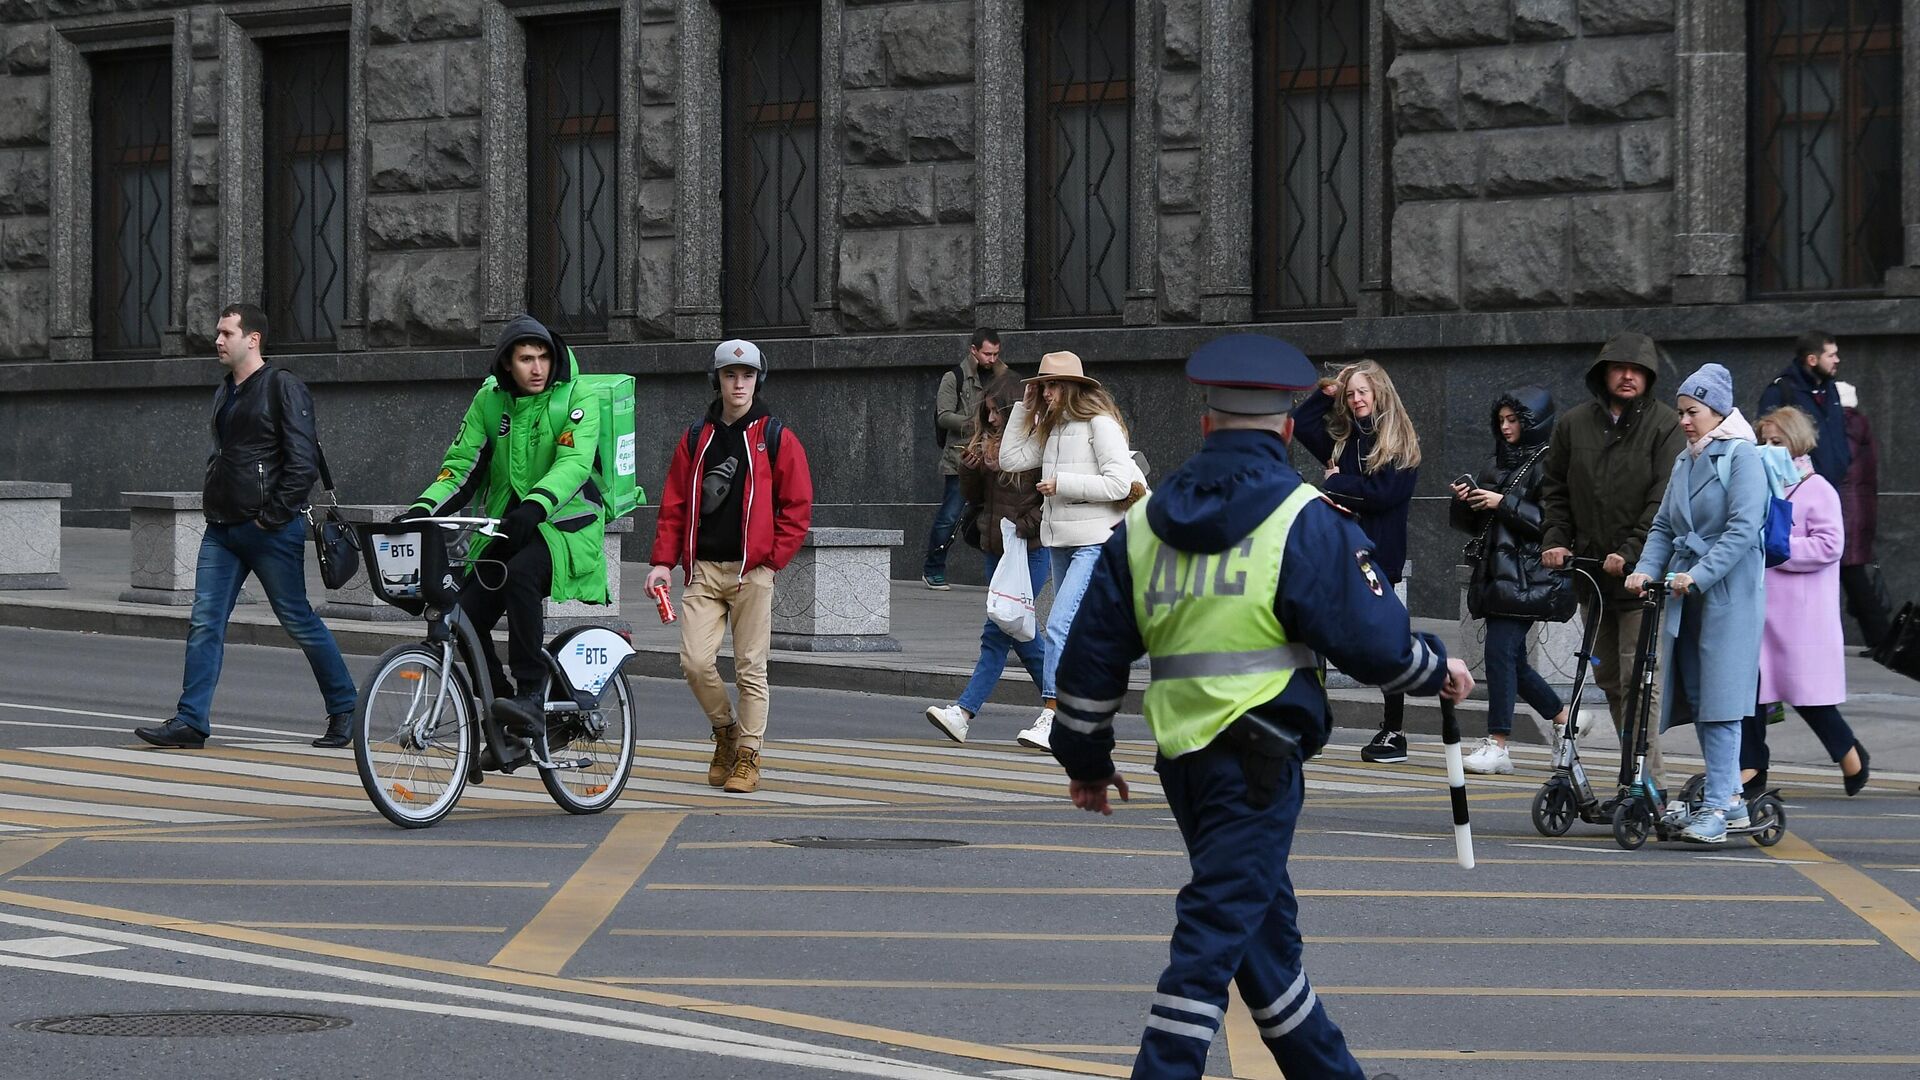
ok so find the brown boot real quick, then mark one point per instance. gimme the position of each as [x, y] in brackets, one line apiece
[746, 771]
[725, 746]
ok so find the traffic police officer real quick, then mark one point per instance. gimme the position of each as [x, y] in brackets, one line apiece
[1234, 576]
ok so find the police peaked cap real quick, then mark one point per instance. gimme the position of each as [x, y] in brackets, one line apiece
[1251, 374]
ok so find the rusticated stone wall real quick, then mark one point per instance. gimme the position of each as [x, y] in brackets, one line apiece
[1534, 160]
[24, 190]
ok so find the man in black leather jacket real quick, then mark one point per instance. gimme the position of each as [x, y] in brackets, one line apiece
[265, 458]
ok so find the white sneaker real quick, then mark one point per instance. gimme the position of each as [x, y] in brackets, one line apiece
[1489, 757]
[950, 719]
[1040, 735]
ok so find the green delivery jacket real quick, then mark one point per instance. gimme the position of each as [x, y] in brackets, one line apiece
[533, 448]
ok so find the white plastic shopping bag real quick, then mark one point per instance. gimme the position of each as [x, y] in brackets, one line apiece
[1010, 593]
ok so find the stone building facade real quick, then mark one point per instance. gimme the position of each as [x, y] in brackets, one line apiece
[1474, 192]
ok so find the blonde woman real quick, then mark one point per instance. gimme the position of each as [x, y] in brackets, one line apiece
[1358, 429]
[1068, 427]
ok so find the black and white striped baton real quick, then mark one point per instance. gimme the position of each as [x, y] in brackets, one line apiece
[1457, 785]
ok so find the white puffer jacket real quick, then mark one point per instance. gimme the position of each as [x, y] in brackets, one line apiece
[1092, 470]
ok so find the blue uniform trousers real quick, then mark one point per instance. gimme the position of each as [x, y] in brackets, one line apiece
[1237, 921]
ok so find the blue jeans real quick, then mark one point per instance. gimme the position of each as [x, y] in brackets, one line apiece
[994, 643]
[278, 558]
[946, 521]
[1072, 570]
[1720, 745]
[1509, 673]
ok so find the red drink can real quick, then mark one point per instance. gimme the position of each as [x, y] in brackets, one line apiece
[662, 597]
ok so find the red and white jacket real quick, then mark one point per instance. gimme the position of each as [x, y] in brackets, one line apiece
[775, 517]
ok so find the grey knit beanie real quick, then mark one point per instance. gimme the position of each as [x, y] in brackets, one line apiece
[1711, 386]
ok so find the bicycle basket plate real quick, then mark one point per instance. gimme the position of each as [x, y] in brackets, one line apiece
[590, 658]
[396, 558]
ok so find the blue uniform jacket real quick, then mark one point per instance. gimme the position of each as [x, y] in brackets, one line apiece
[1331, 598]
[1832, 454]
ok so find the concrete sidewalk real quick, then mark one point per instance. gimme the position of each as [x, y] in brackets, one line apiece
[939, 636]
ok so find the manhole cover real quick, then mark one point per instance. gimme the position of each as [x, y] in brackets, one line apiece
[869, 843]
[176, 1025]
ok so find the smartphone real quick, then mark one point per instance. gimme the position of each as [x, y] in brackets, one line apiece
[1464, 480]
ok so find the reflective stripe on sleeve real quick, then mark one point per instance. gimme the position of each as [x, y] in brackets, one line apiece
[1084, 727]
[1417, 672]
[1221, 664]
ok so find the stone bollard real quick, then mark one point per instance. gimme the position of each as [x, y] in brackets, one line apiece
[837, 594]
[30, 534]
[560, 616]
[163, 547]
[355, 599]
[1551, 646]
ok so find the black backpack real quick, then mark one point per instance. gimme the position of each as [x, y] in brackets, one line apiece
[771, 433]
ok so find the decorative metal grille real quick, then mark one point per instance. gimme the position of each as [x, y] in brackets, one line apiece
[1079, 157]
[1309, 155]
[573, 124]
[132, 201]
[1825, 137]
[306, 171]
[770, 71]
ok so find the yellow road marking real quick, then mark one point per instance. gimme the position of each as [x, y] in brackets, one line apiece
[1246, 1054]
[1075, 1048]
[1074, 849]
[1714, 1058]
[424, 928]
[1880, 906]
[355, 841]
[576, 912]
[1429, 894]
[414, 965]
[866, 984]
[301, 883]
[51, 820]
[904, 935]
[1325, 991]
[15, 854]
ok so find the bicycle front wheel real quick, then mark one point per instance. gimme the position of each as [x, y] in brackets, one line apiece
[412, 760]
[600, 742]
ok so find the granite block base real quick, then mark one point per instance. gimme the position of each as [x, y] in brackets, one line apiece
[32, 581]
[836, 643]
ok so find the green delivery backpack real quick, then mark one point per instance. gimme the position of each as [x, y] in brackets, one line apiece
[614, 469]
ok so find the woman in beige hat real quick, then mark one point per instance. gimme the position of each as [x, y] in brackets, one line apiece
[1068, 427]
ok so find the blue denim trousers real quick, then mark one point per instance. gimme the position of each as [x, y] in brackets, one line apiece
[1072, 570]
[1509, 674]
[994, 643]
[946, 522]
[278, 558]
[1720, 746]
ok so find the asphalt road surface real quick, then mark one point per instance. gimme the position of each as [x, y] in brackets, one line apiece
[678, 937]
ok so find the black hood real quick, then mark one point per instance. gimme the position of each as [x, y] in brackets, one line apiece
[1628, 348]
[1535, 408]
[527, 328]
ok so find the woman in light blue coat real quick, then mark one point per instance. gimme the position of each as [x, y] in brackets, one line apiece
[1706, 540]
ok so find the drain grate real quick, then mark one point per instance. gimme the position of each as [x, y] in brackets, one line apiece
[178, 1025]
[869, 843]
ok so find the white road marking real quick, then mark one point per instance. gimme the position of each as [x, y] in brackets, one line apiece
[1380, 835]
[691, 1029]
[10, 801]
[810, 1059]
[59, 945]
[137, 720]
[1574, 847]
[791, 776]
[202, 792]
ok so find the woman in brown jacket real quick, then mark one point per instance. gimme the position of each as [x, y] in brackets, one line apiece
[994, 495]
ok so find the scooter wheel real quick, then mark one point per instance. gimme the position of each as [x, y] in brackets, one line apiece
[1770, 819]
[1694, 789]
[1629, 824]
[1553, 808]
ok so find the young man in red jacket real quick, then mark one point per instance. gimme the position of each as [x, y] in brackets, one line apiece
[738, 501]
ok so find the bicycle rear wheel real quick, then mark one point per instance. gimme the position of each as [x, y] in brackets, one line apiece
[413, 763]
[603, 741]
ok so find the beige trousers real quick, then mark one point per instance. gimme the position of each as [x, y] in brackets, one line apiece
[715, 599]
[1618, 646]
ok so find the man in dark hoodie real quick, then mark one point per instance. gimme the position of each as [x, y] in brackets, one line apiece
[1232, 576]
[738, 502]
[1606, 471]
[1808, 385]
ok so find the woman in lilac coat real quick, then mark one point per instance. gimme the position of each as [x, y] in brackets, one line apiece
[1802, 654]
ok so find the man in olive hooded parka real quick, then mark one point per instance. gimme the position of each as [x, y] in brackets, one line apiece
[526, 457]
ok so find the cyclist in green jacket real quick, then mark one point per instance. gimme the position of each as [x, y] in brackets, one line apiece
[525, 455]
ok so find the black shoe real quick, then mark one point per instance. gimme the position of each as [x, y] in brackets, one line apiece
[1755, 787]
[519, 752]
[172, 735]
[339, 732]
[1387, 748]
[1858, 780]
[523, 715]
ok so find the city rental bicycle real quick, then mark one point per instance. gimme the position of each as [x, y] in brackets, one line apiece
[425, 726]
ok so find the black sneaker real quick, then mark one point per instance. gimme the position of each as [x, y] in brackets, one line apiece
[523, 715]
[1387, 748]
[172, 735]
